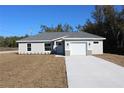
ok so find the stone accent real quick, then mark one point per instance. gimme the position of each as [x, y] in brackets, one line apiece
[67, 52]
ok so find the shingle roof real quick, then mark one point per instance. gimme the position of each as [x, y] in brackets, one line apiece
[54, 35]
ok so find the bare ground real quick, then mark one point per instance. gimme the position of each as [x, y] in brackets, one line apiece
[117, 59]
[30, 71]
[8, 49]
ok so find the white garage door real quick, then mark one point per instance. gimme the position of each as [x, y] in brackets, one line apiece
[77, 48]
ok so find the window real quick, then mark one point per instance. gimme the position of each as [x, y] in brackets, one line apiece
[28, 47]
[96, 42]
[47, 46]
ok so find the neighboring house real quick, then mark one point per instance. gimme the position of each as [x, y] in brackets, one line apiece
[64, 43]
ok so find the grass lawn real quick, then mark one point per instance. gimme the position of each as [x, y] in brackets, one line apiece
[24, 71]
[117, 59]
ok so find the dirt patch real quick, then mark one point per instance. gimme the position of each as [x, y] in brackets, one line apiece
[7, 49]
[32, 71]
[117, 59]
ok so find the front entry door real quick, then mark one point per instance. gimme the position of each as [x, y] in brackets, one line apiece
[59, 48]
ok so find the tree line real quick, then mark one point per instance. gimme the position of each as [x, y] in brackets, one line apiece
[10, 41]
[58, 28]
[109, 23]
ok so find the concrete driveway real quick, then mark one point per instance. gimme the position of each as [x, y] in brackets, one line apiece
[91, 72]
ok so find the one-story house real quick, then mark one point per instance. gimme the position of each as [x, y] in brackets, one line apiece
[63, 43]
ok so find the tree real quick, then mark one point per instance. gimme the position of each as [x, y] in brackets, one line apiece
[58, 28]
[109, 23]
[90, 27]
[98, 15]
[10, 41]
[79, 28]
[120, 25]
[67, 28]
[105, 24]
[1, 41]
[43, 28]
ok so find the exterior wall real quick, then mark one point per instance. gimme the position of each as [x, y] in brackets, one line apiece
[39, 48]
[22, 48]
[91, 47]
[67, 48]
[36, 48]
[97, 48]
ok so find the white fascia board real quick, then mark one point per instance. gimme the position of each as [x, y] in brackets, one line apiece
[84, 38]
[59, 38]
[21, 41]
[63, 38]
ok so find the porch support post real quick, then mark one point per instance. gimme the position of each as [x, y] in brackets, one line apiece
[54, 45]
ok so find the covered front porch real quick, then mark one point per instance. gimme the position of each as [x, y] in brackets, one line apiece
[55, 47]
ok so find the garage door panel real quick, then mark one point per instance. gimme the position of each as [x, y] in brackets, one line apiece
[78, 48]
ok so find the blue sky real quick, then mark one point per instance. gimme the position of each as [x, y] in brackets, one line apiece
[20, 20]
